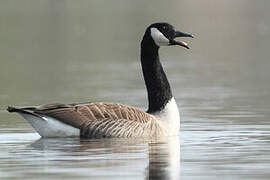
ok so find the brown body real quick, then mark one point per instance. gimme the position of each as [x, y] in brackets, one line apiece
[100, 119]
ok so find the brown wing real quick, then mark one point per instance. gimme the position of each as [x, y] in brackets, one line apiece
[102, 119]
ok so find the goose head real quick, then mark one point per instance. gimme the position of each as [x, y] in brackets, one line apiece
[164, 34]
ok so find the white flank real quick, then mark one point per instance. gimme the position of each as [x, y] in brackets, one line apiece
[169, 118]
[50, 127]
[159, 38]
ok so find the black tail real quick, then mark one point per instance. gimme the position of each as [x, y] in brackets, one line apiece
[27, 110]
[12, 109]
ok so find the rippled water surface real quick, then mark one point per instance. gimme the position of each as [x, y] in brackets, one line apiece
[78, 51]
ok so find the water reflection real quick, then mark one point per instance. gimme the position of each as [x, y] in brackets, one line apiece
[161, 157]
[164, 159]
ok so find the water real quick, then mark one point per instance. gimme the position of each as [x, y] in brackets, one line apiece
[77, 51]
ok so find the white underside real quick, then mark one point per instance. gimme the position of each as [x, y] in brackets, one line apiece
[50, 127]
[169, 118]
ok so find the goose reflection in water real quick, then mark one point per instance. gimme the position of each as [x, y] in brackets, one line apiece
[111, 158]
[164, 159]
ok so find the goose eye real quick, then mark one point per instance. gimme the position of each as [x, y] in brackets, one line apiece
[164, 27]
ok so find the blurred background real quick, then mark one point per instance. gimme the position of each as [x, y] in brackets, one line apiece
[67, 51]
[76, 51]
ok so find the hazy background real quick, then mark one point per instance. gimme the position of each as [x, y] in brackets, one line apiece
[77, 51]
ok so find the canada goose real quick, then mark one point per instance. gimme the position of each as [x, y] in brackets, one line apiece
[92, 120]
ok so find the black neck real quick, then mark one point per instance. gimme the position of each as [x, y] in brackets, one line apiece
[158, 87]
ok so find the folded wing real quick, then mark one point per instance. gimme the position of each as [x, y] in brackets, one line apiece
[102, 119]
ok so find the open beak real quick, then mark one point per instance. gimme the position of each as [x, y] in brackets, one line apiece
[180, 43]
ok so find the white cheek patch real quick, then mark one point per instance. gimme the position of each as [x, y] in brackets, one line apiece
[159, 38]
